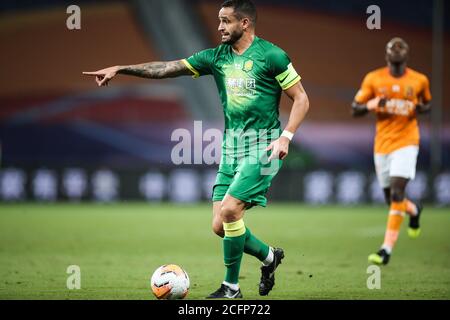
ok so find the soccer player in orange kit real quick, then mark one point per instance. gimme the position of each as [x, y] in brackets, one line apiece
[395, 94]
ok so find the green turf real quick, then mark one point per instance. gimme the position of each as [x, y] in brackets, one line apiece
[119, 246]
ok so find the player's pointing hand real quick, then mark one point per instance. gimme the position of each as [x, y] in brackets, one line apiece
[102, 77]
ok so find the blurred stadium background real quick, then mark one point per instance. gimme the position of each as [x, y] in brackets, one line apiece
[66, 141]
[62, 138]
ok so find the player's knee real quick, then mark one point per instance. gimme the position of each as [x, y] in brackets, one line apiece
[228, 211]
[397, 194]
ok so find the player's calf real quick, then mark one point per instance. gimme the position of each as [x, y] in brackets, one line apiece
[218, 229]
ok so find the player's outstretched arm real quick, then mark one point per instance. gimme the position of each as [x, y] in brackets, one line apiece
[300, 107]
[150, 70]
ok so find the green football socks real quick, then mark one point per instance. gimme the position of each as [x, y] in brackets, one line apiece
[238, 239]
[233, 248]
[255, 247]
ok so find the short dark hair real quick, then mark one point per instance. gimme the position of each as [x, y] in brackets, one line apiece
[242, 8]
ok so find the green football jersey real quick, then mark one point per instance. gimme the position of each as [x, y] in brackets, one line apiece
[250, 85]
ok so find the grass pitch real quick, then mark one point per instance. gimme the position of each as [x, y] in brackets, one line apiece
[118, 247]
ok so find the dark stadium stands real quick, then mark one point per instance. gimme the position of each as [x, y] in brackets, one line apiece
[53, 117]
[332, 52]
[43, 93]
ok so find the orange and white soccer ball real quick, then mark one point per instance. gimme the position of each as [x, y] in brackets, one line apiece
[170, 282]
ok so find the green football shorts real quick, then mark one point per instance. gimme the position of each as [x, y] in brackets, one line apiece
[245, 180]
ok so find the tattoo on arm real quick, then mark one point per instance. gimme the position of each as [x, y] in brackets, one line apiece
[157, 70]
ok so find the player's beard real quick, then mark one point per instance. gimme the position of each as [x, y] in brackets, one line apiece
[234, 37]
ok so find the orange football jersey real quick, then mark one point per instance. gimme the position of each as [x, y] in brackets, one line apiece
[396, 121]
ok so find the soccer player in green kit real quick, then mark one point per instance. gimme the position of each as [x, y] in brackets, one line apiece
[250, 74]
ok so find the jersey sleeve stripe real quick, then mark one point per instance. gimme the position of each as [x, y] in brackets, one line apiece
[188, 65]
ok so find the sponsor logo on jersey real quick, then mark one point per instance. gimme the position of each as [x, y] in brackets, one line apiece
[399, 107]
[241, 86]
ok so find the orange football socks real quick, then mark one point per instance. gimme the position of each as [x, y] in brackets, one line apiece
[396, 215]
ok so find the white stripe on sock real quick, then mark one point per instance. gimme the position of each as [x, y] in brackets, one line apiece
[269, 259]
[388, 249]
